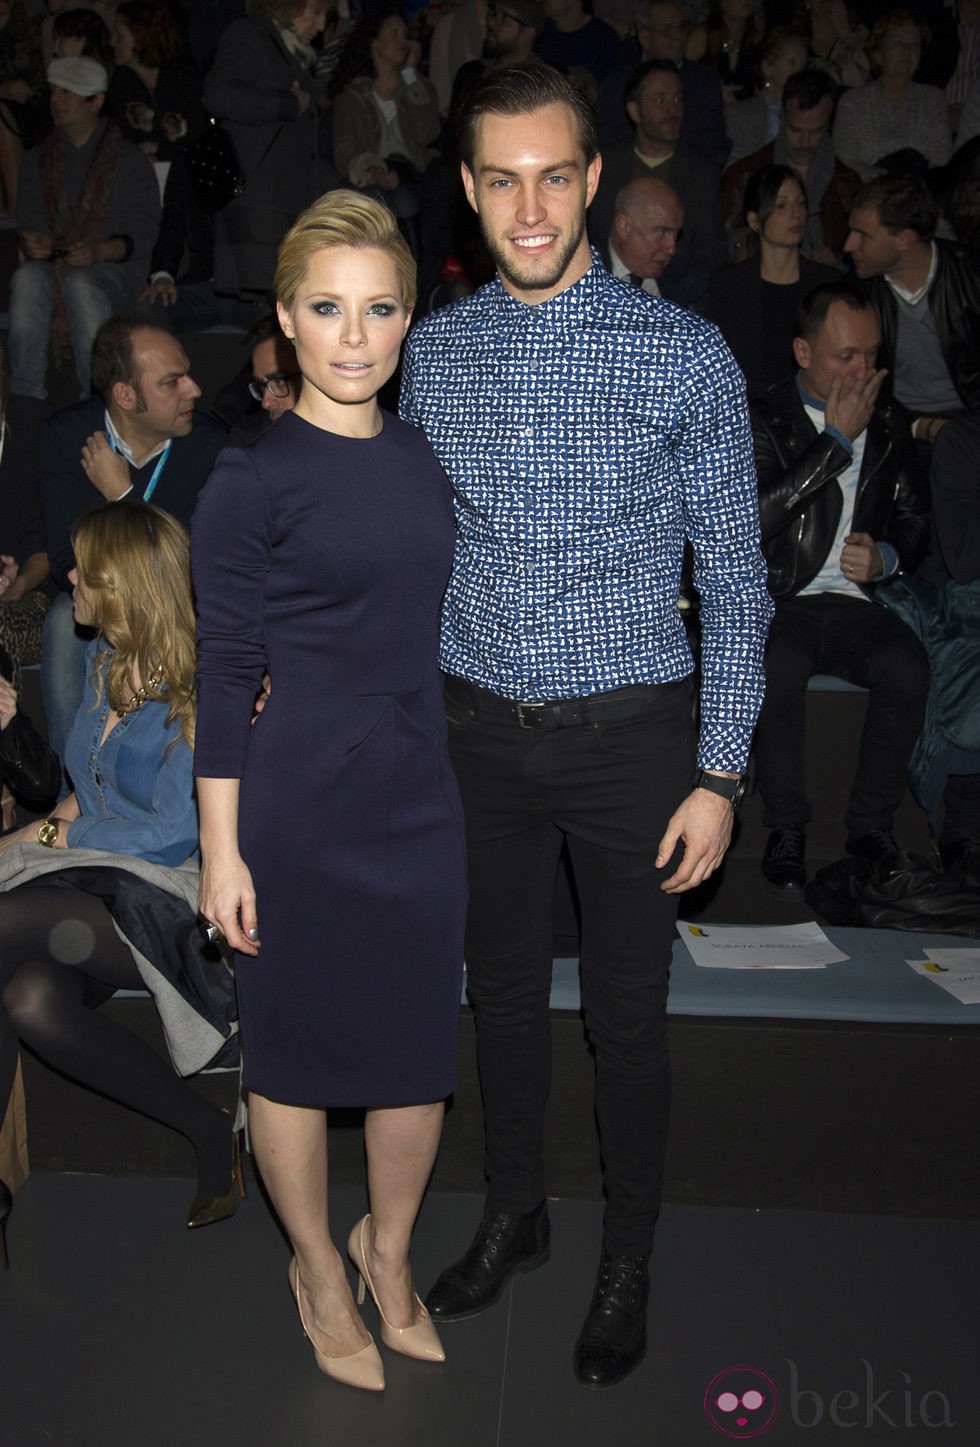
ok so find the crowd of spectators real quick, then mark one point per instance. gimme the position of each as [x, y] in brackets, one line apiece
[751, 153]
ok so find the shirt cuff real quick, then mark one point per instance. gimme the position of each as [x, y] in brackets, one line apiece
[160, 276]
[838, 436]
[889, 558]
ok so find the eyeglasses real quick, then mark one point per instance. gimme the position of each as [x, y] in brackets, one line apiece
[277, 385]
[504, 15]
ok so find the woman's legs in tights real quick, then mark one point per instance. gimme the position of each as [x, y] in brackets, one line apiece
[290, 1144]
[60, 957]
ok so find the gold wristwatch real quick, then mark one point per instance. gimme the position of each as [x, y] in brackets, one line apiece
[47, 832]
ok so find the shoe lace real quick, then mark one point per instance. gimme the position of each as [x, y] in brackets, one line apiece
[786, 845]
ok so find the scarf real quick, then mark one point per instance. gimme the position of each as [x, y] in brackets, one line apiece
[82, 221]
[297, 48]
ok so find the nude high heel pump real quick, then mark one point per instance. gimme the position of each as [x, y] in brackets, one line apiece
[420, 1341]
[361, 1369]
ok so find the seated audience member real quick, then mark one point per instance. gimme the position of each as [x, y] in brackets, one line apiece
[843, 507]
[573, 38]
[927, 296]
[87, 213]
[756, 302]
[155, 95]
[511, 33]
[274, 380]
[804, 143]
[261, 87]
[181, 295]
[386, 116]
[83, 32]
[753, 123]
[655, 106]
[661, 34]
[838, 41]
[647, 220]
[893, 112]
[24, 573]
[102, 8]
[728, 41]
[942, 604]
[131, 824]
[138, 437]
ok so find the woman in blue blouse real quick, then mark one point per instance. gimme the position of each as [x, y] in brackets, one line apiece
[129, 756]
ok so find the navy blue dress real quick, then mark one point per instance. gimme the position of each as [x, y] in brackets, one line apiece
[324, 559]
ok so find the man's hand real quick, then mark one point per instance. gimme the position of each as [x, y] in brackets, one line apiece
[163, 290]
[860, 558]
[849, 409]
[105, 469]
[36, 245]
[83, 253]
[704, 822]
[386, 179]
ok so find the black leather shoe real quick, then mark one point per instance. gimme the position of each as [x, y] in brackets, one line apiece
[783, 861]
[877, 847]
[503, 1244]
[614, 1338]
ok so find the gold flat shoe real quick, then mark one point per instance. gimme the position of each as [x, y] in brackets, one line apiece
[361, 1369]
[421, 1340]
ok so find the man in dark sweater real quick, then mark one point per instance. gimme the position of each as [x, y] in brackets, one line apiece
[655, 106]
[139, 438]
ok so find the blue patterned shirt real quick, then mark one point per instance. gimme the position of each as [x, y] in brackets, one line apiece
[584, 437]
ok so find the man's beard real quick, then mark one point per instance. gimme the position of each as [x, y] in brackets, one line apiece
[535, 281]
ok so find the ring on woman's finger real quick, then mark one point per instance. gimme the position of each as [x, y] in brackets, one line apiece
[211, 933]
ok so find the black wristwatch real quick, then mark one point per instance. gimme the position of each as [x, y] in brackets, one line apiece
[730, 788]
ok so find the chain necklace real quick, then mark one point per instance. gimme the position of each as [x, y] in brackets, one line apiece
[153, 682]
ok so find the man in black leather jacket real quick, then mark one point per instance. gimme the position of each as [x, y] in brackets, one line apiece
[927, 296]
[843, 507]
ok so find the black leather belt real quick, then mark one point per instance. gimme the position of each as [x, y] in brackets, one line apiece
[619, 704]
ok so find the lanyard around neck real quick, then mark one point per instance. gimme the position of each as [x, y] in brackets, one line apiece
[161, 464]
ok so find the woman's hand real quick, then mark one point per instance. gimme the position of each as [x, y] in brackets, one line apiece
[227, 899]
[8, 702]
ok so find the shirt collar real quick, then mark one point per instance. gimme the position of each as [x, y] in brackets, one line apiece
[913, 297]
[121, 446]
[805, 397]
[570, 305]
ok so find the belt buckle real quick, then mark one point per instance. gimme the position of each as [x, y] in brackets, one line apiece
[519, 710]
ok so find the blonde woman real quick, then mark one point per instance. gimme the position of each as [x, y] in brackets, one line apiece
[132, 813]
[331, 829]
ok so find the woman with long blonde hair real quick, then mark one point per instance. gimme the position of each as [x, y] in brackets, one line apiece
[132, 823]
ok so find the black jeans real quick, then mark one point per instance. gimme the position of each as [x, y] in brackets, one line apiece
[862, 643]
[608, 788]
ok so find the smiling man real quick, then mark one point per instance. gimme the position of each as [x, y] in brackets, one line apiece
[585, 426]
[140, 437]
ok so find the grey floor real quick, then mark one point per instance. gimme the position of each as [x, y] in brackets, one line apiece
[118, 1327]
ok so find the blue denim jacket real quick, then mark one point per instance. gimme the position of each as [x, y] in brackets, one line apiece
[135, 794]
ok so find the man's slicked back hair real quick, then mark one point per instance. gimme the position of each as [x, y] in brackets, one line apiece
[518, 90]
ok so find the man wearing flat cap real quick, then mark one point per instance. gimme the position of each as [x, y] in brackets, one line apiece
[88, 208]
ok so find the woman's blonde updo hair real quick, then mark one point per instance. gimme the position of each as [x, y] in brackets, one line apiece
[134, 559]
[342, 218]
